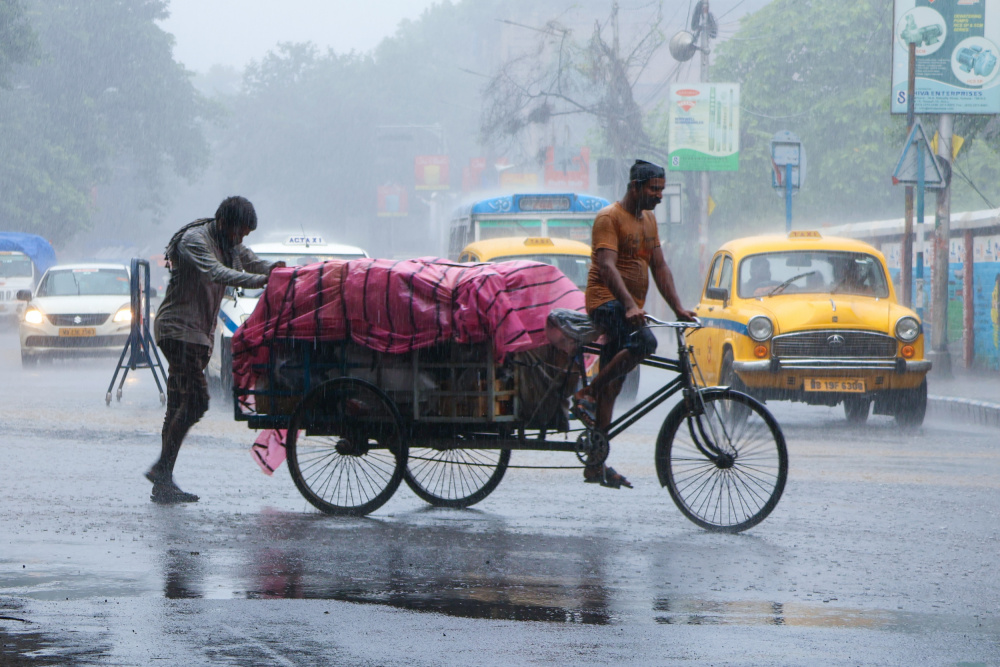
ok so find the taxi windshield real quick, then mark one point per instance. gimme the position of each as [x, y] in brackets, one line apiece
[574, 266]
[812, 272]
[85, 282]
[298, 259]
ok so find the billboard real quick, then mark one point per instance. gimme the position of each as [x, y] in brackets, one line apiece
[430, 172]
[957, 52]
[392, 201]
[567, 171]
[704, 127]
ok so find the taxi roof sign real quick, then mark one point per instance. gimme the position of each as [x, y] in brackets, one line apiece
[804, 235]
[305, 240]
[538, 240]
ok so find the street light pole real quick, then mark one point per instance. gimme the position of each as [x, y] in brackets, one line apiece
[942, 241]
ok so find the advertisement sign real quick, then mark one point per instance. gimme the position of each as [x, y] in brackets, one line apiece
[567, 171]
[704, 127]
[957, 52]
[392, 201]
[431, 172]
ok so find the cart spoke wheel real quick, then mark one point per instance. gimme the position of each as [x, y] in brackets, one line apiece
[725, 467]
[345, 446]
[455, 477]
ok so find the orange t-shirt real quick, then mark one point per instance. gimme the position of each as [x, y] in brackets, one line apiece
[634, 240]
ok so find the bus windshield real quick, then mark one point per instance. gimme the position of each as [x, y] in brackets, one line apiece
[560, 215]
[574, 266]
[14, 265]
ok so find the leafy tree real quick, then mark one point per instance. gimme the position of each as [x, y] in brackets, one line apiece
[105, 110]
[18, 42]
[822, 70]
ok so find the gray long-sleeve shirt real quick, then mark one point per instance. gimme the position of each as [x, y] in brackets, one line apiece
[198, 283]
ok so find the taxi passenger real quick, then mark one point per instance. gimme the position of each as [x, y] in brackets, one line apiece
[625, 247]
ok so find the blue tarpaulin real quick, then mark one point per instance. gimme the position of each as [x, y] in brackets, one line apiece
[38, 249]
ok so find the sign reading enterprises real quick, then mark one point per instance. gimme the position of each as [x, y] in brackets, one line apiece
[704, 127]
[957, 52]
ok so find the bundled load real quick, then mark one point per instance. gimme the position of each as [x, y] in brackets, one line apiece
[395, 307]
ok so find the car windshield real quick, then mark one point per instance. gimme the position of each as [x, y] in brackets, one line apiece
[14, 265]
[298, 259]
[812, 272]
[85, 282]
[574, 266]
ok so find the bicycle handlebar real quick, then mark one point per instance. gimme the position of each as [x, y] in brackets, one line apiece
[654, 322]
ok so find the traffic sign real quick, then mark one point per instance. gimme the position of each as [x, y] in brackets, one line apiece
[787, 151]
[916, 153]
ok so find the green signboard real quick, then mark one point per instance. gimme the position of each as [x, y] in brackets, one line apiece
[704, 127]
[957, 50]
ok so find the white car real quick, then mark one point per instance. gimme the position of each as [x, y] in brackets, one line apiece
[76, 310]
[238, 304]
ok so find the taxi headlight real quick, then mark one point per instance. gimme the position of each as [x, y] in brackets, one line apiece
[33, 316]
[907, 329]
[760, 328]
[123, 315]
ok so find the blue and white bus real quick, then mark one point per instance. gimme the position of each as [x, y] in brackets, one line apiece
[557, 215]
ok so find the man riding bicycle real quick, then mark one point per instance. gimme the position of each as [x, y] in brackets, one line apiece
[625, 247]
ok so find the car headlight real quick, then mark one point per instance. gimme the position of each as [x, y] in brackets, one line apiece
[760, 328]
[907, 329]
[33, 316]
[124, 314]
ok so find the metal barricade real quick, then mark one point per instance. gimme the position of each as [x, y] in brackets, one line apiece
[140, 350]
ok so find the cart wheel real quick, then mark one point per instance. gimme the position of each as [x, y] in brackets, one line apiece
[345, 446]
[455, 477]
[725, 466]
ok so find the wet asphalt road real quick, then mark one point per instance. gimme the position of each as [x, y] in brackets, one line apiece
[882, 551]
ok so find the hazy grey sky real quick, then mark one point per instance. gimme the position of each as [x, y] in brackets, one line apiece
[232, 32]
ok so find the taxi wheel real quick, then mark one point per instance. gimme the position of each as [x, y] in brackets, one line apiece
[911, 406]
[856, 410]
[727, 376]
[28, 360]
[226, 368]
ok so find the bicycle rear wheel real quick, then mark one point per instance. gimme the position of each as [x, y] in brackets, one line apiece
[725, 466]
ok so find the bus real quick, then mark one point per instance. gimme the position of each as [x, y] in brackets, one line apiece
[554, 215]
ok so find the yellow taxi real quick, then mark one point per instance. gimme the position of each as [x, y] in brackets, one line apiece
[570, 257]
[811, 319]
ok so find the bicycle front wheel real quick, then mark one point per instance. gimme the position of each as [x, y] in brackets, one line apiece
[724, 461]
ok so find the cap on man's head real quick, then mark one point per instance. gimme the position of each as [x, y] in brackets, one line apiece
[643, 171]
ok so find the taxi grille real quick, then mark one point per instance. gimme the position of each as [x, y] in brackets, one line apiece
[826, 344]
[86, 320]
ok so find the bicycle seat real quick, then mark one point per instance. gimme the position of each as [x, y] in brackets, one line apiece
[568, 329]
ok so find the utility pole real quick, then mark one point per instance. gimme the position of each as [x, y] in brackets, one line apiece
[705, 184]
[942, 234]
[906, 254]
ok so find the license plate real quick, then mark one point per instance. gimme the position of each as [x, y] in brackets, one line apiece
[77, 332]
[848, 385]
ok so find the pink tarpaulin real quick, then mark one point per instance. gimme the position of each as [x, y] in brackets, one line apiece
[395, 307]
[398, 306]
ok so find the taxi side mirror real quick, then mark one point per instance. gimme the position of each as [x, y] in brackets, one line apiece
[24, 295]
[719, 294]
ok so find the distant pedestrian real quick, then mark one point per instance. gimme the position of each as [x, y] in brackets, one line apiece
[204, 258]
